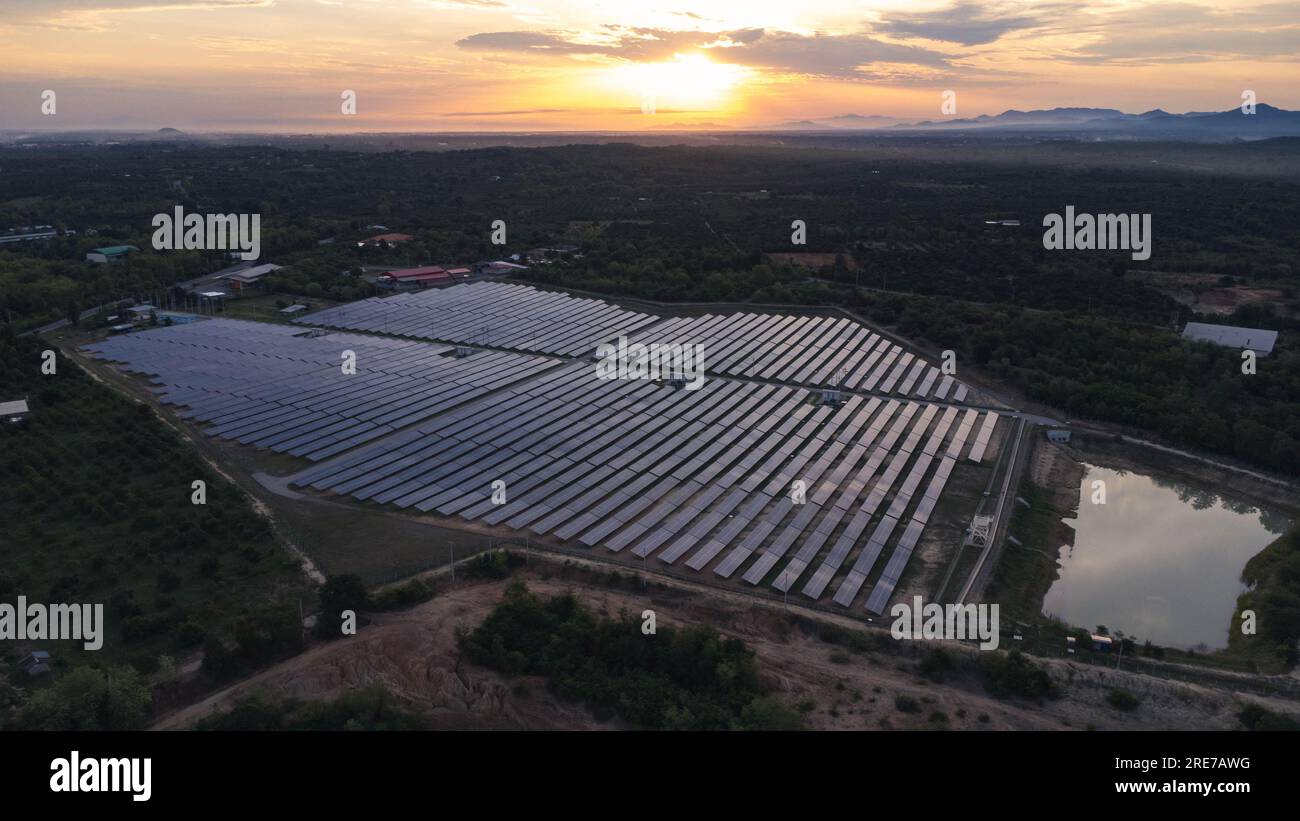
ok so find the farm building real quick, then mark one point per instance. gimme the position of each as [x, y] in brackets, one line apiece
[15, 411]
[242, 277]
[1230, 336]
[35, 663]
[111, 253]
[386, 240]
[410, 279]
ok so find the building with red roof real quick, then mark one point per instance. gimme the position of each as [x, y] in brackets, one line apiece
[387, 240]
[413, 278]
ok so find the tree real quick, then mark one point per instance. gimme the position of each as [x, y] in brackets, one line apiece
[339, 593]
[88, 698]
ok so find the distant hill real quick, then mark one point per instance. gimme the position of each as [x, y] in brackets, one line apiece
[706, 126]
[1097, 123]
[841, 121]
[1267, 121]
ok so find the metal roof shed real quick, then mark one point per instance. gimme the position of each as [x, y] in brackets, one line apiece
[1256, 339]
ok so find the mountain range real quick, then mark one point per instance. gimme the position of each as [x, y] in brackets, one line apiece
[1266, 121]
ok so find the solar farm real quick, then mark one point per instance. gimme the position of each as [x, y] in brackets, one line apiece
[284, 389]
[491, 314]
[761, 478]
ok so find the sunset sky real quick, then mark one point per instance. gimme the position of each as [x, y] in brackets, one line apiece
[518, 65]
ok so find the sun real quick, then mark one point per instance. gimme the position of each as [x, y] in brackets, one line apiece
[688, 81]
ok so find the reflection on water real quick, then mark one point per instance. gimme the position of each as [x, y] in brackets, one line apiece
[1159, 561]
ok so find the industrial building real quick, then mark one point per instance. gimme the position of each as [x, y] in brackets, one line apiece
[1230, 336]
[111, 253]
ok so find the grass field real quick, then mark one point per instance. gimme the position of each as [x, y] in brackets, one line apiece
[266, 307]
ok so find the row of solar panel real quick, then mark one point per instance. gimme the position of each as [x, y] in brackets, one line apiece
[630, 463]
[819, 351]
[276, 387]
[883, 590]
[625, 463]
[840, 550]
[983, 437]
[492, 314]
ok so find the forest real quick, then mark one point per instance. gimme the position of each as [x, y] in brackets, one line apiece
[97, 507]
[900, 236]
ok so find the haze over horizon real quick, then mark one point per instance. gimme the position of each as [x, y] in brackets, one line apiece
[602, 65]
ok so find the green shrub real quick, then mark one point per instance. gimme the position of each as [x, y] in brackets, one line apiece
[401, 597]
[1011, 675]
[1255, 717]
[935, 663]
[1122, 700]
[370, 708]
[679, 678]
[497, 564]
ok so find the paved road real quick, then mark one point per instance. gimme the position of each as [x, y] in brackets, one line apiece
[978, 574]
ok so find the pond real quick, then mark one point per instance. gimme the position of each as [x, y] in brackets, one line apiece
[1159, 560]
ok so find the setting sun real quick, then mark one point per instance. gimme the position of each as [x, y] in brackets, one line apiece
[686, 81]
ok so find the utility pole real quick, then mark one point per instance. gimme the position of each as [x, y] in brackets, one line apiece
[452, 548]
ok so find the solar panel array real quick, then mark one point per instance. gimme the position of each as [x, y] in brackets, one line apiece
[748, 478]
[491, 314]
[701, 477]
[282, 388]
[803, 350]
[983, 437]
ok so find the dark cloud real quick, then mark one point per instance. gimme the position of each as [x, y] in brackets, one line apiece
[1170, 33]
[537, 42]
[829, 55]
[967, 23]
[821, 55]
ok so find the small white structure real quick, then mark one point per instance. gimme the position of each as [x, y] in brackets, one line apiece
[1230, 336]
[1058, 435]
[980, 530]
[15, 411]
